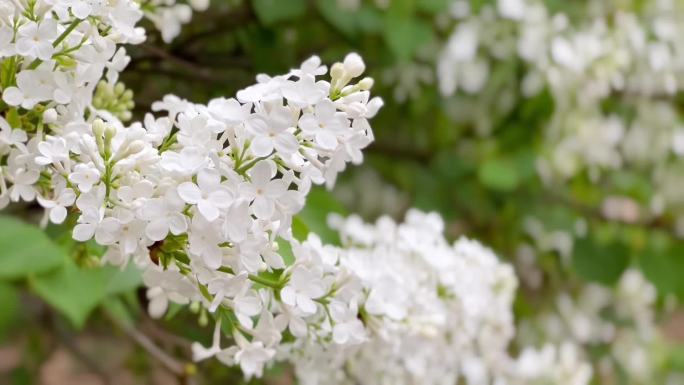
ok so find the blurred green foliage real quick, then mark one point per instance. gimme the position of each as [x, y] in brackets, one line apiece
[485, 184]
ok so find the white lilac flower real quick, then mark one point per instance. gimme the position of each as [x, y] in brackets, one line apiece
[272, 131]
[405, 315]
[263, 191]
[323, 124]
[200, 199]
[304, 287]
[85, 176]
[34, 40]
[208, 194]
[57, 207]
[164, 216]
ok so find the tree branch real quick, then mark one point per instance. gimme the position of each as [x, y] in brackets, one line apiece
[180, 369]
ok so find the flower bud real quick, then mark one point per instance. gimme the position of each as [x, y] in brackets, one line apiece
[127, 95]
[101, 86]
[119, 89]
[366, 83]
[347, 90]
[127, 149]
[199, 5]
[353, 65]
[337, 71]
[109, 131]
[135, 147]
[50, 115]
[203, 319]
[98, 128]
[183, 13]
[126, 115]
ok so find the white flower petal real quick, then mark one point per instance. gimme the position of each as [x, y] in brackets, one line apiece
[189, 192]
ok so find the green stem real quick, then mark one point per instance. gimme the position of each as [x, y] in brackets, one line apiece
[58, 41]
[250, 164]
[66, 32]
[168, 142]
[256, 279]
[264, 281]
[108, 178]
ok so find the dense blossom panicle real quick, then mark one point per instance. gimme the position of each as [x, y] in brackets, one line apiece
[621, 319]
[432, 311]
[58, 51]
[612, 77]
[199, 196]
[420, 310]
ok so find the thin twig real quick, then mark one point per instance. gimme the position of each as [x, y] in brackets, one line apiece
[161, 53]
[224, 22]
[160, 334]
[178, 368]
[187, 77]
[69, 342]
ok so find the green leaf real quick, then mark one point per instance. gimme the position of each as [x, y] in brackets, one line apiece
[9, 298]
[340, 19]
[319, 204]
[663, 264]
[173, 311]
[8, 70]
[404, 35]
[25, 250]
[433, 6]
[13, 118]
[299, 229]
[369, 20]
[676, 357]
[272, 11]
[498, 174]
[121, 281]
[285, 251]
[600, 262]
[116, 308]
[76, 291]
[351, 23]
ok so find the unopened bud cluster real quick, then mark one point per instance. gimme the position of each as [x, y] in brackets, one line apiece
[114, 98]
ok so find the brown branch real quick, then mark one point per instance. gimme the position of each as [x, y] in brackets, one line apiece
[180, 369]
[70, 344]
[151, 328]
[659, 223]
[201, 72]
[222, 22]
[407, 153]
[214, 79]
